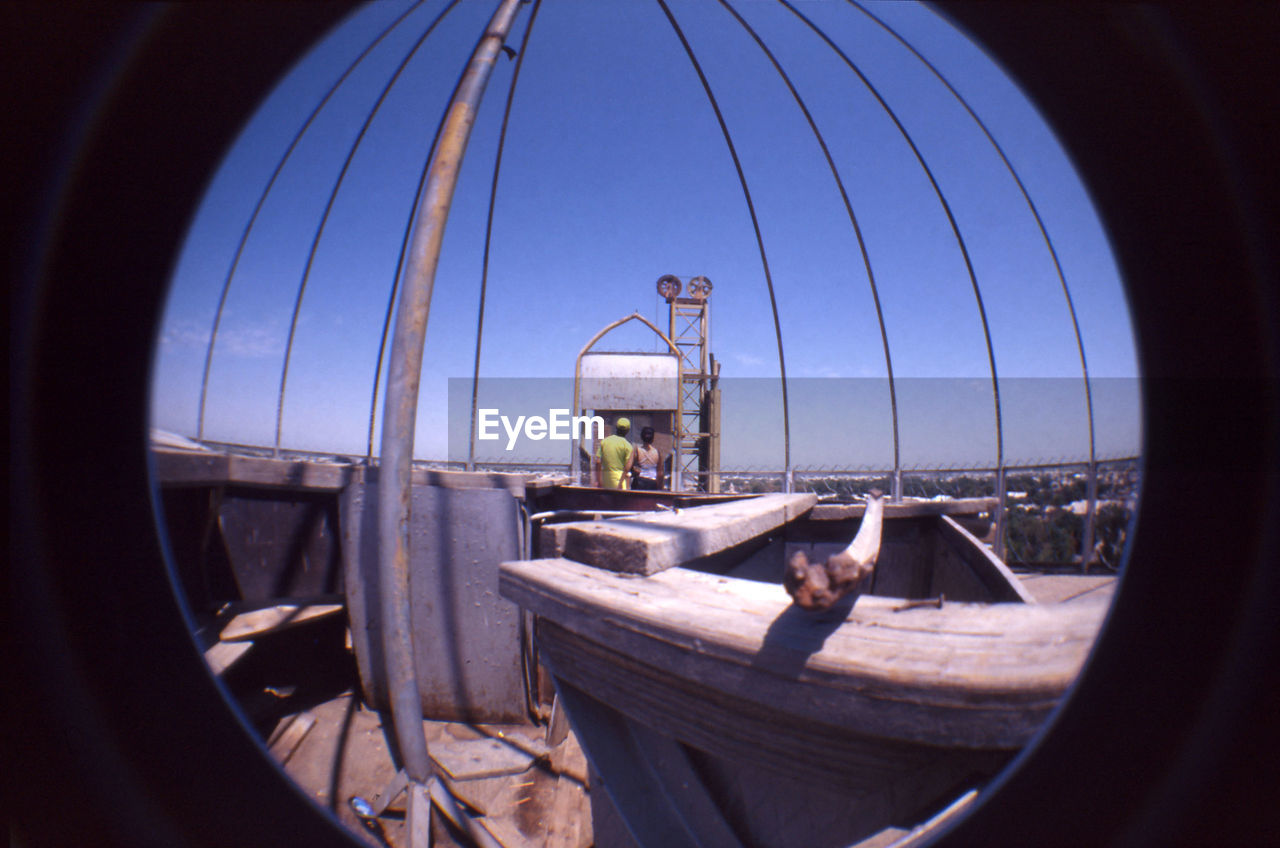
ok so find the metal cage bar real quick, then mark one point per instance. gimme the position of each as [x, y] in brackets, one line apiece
[328, 209]
[262, 199]
[755, 224]
[955, 229]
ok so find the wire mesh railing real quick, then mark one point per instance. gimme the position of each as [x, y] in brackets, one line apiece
[1046, 506]
[1040, 528]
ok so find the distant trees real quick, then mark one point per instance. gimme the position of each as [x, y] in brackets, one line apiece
[1039, 527]
[1109, 528]
[1053, 536]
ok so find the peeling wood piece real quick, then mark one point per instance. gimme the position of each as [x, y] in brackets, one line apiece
[907, 508]
[654, 542]
[223, 655]
[465, 759]
[817, 586]
[249, 625]
[987, 567]
[558, 724]
[289, 735]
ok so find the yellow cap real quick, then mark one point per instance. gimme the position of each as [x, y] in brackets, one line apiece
[623, 424]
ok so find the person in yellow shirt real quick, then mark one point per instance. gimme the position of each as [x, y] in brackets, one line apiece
[614, 456]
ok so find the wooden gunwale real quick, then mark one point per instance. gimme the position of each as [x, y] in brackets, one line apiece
[969, 675]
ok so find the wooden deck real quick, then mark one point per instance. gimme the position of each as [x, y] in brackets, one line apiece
[1068, 588]
[524, 793]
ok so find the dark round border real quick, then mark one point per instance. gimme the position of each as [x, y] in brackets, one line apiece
[1169, 112]
[116, 735]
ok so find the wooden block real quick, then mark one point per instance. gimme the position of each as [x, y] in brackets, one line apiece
[987, 567]
[223, 655]
[907, 508]
[475, 758]
[315, 475]
[249, 625]
[653, 542]
[289, 735]
[551, 539]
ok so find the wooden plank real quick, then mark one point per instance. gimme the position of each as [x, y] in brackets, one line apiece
[466, 759]
[223, 655]
[1003, 584]
[907, 508]
[259, 622]
[189, 468]
[1061, 588]
[653, 542]
[289, 735]
[176, 467]
[977, 675]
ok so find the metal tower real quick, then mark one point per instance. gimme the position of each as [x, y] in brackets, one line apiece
[697, 425]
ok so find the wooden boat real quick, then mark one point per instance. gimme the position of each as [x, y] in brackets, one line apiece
[715, 711]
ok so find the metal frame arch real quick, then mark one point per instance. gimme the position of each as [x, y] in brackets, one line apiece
[488, 232]
[333, 196]
[755, 225]
[266, 190]
[1087, 541]
[857, 230]
[964, 250]
[577, 371]
[399, 412]
[384, 340]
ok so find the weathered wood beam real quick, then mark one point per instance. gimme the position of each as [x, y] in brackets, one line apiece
[905, 509]
[969, 675]
[223, 655]
[177, 468]
[653, 542]
[289, 735]
[191, 468]
[1003, 584]
[259, 622]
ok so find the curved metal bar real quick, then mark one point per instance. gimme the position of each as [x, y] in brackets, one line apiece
[262, 199]
[1087, 544]
[857, 231]
[755, 224]
[955, 229]
[328, 209]
[403, 380]
[1087, 547]
[488, 233]
[384, 339]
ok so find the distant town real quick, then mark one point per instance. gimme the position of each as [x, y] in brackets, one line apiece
[1047, 507]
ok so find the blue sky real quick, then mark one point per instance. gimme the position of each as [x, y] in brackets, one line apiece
[614, 173]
